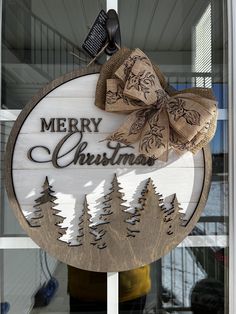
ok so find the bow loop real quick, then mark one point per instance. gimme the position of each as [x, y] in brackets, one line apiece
[159, 121]
[141, 84]
[189, 114]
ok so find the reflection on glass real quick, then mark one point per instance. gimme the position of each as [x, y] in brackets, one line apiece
[208, 295]
[87, 291]
[41, 40]
[184, 267]
[179, 283]
[9, 225]
[26, 274]
[134, 285]
[34, 282]
[202, 58]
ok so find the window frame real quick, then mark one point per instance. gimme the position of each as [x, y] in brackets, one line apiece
[224, 114]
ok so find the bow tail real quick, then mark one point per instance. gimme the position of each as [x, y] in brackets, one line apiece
[155, 136]
[181, 145]
[205, 135]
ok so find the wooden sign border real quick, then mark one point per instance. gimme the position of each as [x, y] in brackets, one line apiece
[59, 252]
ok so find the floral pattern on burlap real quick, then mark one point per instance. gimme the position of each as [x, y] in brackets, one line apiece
[129, 63]
[141, 119]
[183, 122]
[141, 82]
[113, 97]
[176, 108]
[153, 136]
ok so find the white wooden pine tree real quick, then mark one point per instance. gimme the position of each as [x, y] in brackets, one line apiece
[173, 217]
[86, 235]
[46, 215]
[46, 198]
[150, 212]
[114, 226]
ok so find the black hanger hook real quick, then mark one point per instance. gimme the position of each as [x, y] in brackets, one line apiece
[113, 32]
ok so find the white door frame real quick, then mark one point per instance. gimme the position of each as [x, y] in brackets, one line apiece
[112, 278]
[232, 152]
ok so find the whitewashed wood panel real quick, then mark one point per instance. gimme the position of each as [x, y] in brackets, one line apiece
[71, 108]
[82, 87]
[96, 182]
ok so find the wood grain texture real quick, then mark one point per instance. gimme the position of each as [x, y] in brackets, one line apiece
[115, 215]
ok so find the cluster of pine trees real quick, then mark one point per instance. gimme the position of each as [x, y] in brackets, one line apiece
[116, 223]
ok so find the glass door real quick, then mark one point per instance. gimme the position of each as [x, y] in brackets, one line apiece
[188, 39]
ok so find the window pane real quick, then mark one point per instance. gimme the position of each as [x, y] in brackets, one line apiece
[42, 40]
[188, 40]
[34, 282]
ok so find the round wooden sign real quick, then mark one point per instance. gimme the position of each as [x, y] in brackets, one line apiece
[95, 204]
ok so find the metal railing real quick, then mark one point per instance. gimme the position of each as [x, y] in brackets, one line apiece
[53, 53]
[211, 225]
[47, 49]
[190, 79]
[183, 268]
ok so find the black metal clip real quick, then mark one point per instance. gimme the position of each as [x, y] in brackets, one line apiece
[113, 33]
[113, 41]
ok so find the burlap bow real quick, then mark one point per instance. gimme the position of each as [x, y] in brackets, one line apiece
[185, 121]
